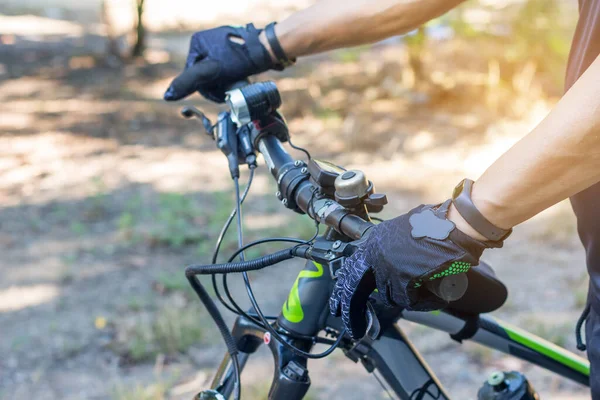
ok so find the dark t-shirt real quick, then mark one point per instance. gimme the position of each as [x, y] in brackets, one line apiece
[586, 43]
[585, 49]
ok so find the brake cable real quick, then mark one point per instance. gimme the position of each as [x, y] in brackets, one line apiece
[234, 307]
[244, 266]
[220, 239]
[302, 149]
[254, 303]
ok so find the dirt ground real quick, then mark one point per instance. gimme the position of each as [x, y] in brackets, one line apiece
[106, 194]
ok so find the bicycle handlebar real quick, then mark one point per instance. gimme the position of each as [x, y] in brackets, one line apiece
[257, 104]
[297, 189]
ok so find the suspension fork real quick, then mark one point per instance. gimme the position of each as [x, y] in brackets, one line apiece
[303, 315]
[290, 378]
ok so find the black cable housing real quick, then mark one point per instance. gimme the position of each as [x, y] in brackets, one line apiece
[242, 266]
[222, 326]
[302, 149]
[253, 316]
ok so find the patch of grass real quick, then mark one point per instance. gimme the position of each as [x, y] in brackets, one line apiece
[171, 331]
[134, 202]
[173, 282]
[78, 228]
[126, 226]
[299, 226]
[156, 391]
[69, 258]
[175, 221]
[71, 349]
[205, 249]
[19, 342]
[98, 203]
[66, 275]
[221, 204]
[137, 303]
[59, 213]
[126, 221]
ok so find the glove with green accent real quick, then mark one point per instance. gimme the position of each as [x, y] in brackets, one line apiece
[397, 258]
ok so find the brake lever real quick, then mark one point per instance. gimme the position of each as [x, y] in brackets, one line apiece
[190, 112]
[373, 325]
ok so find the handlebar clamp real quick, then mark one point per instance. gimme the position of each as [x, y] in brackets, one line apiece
[292, 176]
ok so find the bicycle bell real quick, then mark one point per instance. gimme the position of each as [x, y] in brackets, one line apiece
[353, 189]
[253, 102]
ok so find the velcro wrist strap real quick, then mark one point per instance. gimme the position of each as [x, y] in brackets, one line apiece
[280, 55]
[468, 330]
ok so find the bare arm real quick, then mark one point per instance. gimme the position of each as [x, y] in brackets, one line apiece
[558, 159]
[334, 24]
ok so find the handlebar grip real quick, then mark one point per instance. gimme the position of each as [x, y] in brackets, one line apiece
[449, 288]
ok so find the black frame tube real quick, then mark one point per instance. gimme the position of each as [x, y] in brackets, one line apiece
[403, 378]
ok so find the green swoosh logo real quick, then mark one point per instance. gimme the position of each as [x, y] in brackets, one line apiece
[292, 308]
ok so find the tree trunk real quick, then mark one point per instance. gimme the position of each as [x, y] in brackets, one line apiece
[140, 31]
[416, 45]
[112, 45]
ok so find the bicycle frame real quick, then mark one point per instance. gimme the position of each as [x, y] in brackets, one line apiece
[306, 312]
[392, 354]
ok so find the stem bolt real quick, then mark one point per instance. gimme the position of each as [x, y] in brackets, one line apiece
[284, 202]
[304, 170]
[337, 244]
[298, 163]
[278, 195]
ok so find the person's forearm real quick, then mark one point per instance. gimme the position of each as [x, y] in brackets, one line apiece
[558, 159]
[333, 24]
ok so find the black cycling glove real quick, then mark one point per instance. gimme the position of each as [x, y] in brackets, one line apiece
[219, 58]
[397, 258]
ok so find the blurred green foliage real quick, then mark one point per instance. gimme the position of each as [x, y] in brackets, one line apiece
[541, 33]
[533, 33]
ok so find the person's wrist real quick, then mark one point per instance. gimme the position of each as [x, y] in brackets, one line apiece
[263, 40]
[462, 225]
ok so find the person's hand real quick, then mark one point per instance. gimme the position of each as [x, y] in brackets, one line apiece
[397, 258]
[219, 58]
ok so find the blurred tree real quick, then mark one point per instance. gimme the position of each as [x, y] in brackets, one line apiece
[140, 31]
[541, 39]
[112, 44]
[528, 39]
[416, 45]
